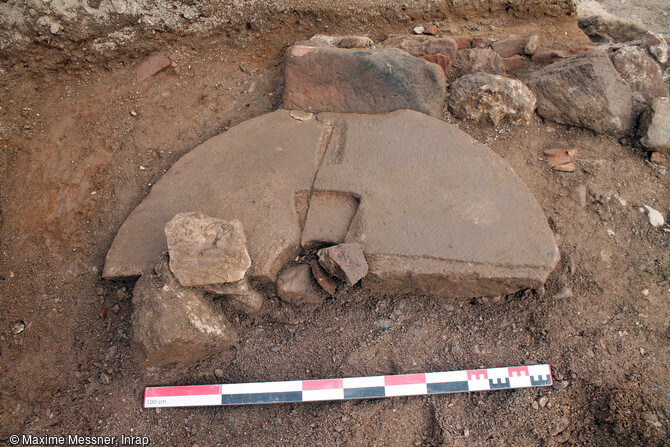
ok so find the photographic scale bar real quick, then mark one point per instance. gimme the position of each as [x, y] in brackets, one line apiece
[349, 388]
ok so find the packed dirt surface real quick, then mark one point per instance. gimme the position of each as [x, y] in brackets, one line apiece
[81, 144]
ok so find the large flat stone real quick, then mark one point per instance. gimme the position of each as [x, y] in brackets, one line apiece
[446, 217]
[435, 212]
[250, 173]
[361, 81]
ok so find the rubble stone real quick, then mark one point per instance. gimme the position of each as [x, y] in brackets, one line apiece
[584, 91]
[480, 60]
[173, 324]
[495, 98]
[655, 125]
[642, 74]
[296, 285]
[345, 261]
[509, 47]
[206, 250]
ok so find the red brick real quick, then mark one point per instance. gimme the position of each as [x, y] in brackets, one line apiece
[443, 60]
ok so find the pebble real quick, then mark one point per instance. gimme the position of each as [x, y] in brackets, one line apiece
[105, 379]
[561, 384]
[301, 115]
[536, 406]
[655, 157]
[656, 219]
[55, 28]
[18, 327]
[218, 372]
[115, 308]
[100, 291]
[543, 401]
[419, 30]
[383, 325]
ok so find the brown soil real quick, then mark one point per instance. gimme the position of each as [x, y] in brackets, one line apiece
[83, 142]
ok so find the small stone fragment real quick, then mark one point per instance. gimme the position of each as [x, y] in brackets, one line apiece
[548, 57]
[480, 60]
[218, 373]
[301, 115]
[495, 98]
[579, 194]
[430, 30]
[509, 47]
[355, 42]
[530, 46]
[18, 327]
[535, 405]
[566, 167]
[205, 250]
[322, 278]
[418, 30]
[655, 157]
[55, 28]
[173, 324]
[296, 285]
[655, 125]
[240, 294]
[115, 308]
[346, 261]
[104, 379]
[152, 66]
[656, 219]
[102, 313]
[543, 401]
[658, 47]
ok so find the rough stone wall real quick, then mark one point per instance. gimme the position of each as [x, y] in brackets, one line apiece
[106, 25]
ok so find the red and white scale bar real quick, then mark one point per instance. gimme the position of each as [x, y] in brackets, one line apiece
[349, 388]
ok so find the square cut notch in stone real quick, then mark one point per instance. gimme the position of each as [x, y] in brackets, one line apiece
[328, 218]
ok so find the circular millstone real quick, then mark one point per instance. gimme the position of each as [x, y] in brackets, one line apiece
[436, 212]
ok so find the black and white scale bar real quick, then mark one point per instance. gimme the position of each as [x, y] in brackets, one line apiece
[349, 388]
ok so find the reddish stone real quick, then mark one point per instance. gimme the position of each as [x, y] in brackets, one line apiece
[580, 49]
[325, 281]
[479, 42]
[513, 63]
[152, 66]
[345, 81]
[440, 59]
[509, 47]
[480, 60]
[462, 41]
[548, 57]
[655, 157]
[443, 45]
[431, 30]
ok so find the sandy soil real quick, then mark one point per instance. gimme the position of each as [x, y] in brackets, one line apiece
[81, 146]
